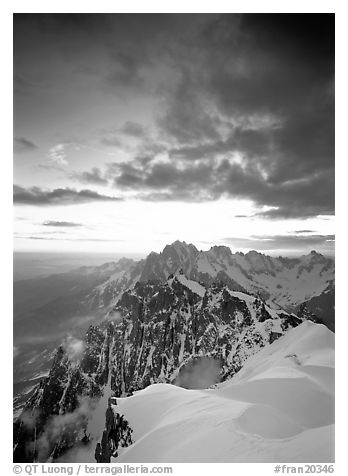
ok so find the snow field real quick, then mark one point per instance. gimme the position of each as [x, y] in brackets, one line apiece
[278, 408]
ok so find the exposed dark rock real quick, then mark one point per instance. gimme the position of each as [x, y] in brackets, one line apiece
[117, 433]
[323, 307]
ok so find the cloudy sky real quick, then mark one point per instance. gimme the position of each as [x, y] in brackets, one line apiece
[132, 131]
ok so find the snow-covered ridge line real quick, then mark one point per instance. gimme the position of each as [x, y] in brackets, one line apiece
[279, 407]
[286, 282]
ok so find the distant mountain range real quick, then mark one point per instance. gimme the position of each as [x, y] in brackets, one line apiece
[286, 282]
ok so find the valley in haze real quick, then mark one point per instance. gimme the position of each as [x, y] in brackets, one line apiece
[27, 265]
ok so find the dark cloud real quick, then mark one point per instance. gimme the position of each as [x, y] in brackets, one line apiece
[63, 34]
[255, 87]
[252, 144]
[59, 196]
[271, 77]
[209, 180]
[166, 181]
[184, 116]
[55, 232]
[93, 177]
[51, 167]
[63, 224]
[306, 38]
[293, 211]
[274, 242]
[133, 129]
[21, 144]
[309, 196]
[111, 140]
[126, 72]
[279, 63]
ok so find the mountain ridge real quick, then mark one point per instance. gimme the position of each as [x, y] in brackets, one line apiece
[285, 281]
[156, 319]
[84, 295]
[158, 333]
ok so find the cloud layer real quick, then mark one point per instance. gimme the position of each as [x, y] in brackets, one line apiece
[290, 242]
[61, 224]
[58, 196]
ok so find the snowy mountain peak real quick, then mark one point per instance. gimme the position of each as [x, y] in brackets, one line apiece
[181, 248]
[317, 257]
[183, 244]
[254, 253]
[286, 282]
[282, 282]
[220, 252]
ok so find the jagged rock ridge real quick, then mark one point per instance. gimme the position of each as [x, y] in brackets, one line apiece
[284, 281]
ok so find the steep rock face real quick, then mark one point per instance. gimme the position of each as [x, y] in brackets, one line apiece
[158, 266]
[55, 418]
[166, 325]
[117, 433]
[323, 306]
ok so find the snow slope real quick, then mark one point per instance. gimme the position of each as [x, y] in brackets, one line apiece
[278, 408]
[190, 284]
[288, 282]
